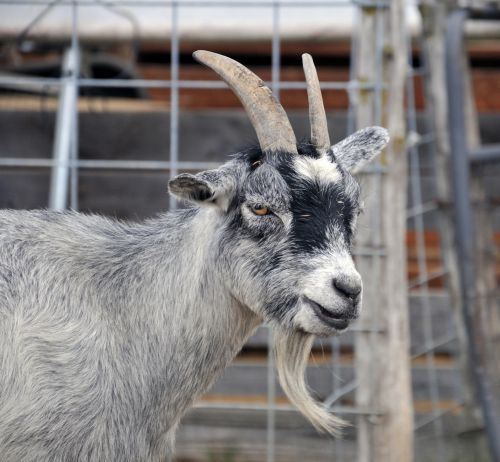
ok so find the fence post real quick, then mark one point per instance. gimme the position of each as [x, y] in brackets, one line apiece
[382, 346]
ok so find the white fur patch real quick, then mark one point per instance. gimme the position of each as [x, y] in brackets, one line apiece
[322, 170]
[318, 286]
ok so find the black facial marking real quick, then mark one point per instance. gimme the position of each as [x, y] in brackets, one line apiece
[319, 210]
[254, 156]
[306, 149]
[251, 156]
[316, 210]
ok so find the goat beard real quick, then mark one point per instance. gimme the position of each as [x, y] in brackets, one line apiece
[292, 350]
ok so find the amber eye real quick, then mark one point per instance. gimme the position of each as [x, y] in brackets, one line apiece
[260, 211]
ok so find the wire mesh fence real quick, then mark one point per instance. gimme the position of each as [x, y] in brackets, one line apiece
[247, 397]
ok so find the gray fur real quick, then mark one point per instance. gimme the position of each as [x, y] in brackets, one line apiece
[109, 331]
[360, 147]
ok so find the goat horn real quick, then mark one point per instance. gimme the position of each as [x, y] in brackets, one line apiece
[317, 116]
[265, 112]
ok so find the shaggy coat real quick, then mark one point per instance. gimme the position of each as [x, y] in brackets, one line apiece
[109, 331]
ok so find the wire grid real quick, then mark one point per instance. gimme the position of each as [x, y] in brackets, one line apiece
[418, 210]
[424, 210]
[66, 169]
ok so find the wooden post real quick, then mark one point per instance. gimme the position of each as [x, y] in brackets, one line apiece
[382, 357]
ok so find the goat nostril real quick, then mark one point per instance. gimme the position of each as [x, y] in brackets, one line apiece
[346, 288]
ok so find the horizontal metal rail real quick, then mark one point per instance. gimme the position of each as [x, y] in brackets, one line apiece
[127, 165]
[19, 162]
[369, 330]
[210, 3]
[31, 82]
[486, 153]
[14, 81]
[349, 410]
[107, 164]
[365, 251]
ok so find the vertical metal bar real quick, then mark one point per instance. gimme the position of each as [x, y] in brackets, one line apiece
[64, 128]
[376, 215]
[73, 198]
[377, 117]
[74, 129]
[353, 94]
[271, 380]
[378, 83]
[271, 400]
[416, 202]
[276, 51]
[363, 64]
[174, 98]
[336, 382]
[464, 224]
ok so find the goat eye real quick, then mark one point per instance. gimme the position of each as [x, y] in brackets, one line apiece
[261, 211]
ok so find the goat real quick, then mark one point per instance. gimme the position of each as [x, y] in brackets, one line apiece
[109, 331]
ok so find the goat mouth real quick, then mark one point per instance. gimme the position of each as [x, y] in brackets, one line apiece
[334, 320]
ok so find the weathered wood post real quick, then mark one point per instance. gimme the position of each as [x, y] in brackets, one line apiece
[385, 433]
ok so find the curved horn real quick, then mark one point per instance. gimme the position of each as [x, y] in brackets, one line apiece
[266, 114]
[317, 116]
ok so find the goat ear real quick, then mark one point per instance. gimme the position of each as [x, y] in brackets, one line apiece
[360, 147]
[211, 187]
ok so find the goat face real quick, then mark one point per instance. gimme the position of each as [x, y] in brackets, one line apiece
[286, 229]
[288, 212]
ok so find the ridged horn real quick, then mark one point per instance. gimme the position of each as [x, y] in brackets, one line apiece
[317, 116]
[268, 117]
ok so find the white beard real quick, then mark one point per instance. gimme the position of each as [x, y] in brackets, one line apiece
[292, 350]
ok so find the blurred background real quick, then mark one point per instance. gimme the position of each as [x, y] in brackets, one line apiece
[101, 102]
